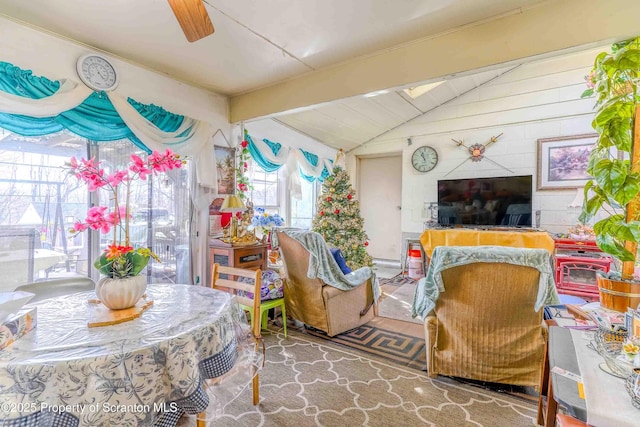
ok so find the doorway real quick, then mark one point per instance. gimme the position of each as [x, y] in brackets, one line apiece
[380, 188]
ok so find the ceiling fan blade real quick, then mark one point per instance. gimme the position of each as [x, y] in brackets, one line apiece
[193, 18]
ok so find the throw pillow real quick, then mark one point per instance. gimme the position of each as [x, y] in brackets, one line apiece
[337, 255]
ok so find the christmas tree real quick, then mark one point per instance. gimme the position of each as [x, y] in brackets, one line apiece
[338, 219]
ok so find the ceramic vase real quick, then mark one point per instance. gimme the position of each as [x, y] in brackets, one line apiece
[118, 294]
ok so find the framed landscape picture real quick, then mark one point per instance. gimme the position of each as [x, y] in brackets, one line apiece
[226, 169]
[562, 161]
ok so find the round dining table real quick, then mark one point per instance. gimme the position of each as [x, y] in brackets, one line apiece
[146, 371]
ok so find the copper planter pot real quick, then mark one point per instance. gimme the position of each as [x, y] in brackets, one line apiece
[617, 294]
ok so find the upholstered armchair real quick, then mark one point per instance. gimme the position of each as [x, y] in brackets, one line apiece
[311, 297]
[483, 309]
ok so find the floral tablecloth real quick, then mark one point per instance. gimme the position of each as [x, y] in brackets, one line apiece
[147, 371]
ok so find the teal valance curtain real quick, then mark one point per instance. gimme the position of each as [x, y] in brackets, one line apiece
[313, 160]
[271, 156]
[33, 106]
[261, 157]
[95, 118]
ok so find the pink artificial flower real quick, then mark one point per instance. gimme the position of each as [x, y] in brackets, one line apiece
[73, 162]
[91, 175]
[164, 162]
[244, 143]
[116, 217]
[96, 213]
[139, 166]
[96, 219]
[95, 182]
[78, 227]
[117, 177]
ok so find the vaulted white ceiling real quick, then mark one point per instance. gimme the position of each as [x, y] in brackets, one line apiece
[256, 43]
[352, 122]
[315, 58]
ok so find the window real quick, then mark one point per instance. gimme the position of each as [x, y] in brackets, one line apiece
[265, 192]
[303, 209]
[37, 192]
[160, 208]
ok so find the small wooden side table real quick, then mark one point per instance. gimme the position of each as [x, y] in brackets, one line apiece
[248, 256]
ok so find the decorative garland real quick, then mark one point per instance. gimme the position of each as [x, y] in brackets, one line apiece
[242, 181]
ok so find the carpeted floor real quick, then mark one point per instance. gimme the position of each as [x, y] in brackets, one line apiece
[402, 343]
[309, 382]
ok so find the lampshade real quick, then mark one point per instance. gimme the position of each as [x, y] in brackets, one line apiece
[232, 203]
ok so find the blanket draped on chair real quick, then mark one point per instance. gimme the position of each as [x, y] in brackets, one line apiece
[323, 266]
[429, 288]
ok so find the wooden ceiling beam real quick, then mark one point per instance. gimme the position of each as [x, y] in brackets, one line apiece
[550, 28]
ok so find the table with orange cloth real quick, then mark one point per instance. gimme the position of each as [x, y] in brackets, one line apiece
[520, 238]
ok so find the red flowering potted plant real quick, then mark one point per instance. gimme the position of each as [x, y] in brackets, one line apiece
[120, 263]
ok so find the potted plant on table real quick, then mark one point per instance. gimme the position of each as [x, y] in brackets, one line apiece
[120, 263]
[614, 164]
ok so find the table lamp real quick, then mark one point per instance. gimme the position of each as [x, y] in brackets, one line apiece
[233, 204]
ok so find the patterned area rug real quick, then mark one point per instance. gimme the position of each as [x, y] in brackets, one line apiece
[406, 350]
[304, 383]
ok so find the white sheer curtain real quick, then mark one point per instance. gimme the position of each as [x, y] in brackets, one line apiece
[70, 95]
[192, 138]
[309, 169]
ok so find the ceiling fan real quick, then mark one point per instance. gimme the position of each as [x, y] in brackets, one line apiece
[193, 18]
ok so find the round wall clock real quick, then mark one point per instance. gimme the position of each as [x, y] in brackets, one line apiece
[424, 159]
[97, 72]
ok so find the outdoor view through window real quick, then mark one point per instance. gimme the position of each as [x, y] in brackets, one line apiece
[39, 202]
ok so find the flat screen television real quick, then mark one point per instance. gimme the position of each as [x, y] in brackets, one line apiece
[500, 201]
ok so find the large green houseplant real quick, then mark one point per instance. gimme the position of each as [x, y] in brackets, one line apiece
[613, 195]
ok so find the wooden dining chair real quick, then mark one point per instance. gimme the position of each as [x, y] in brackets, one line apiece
[241, 290]
[232, 285]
